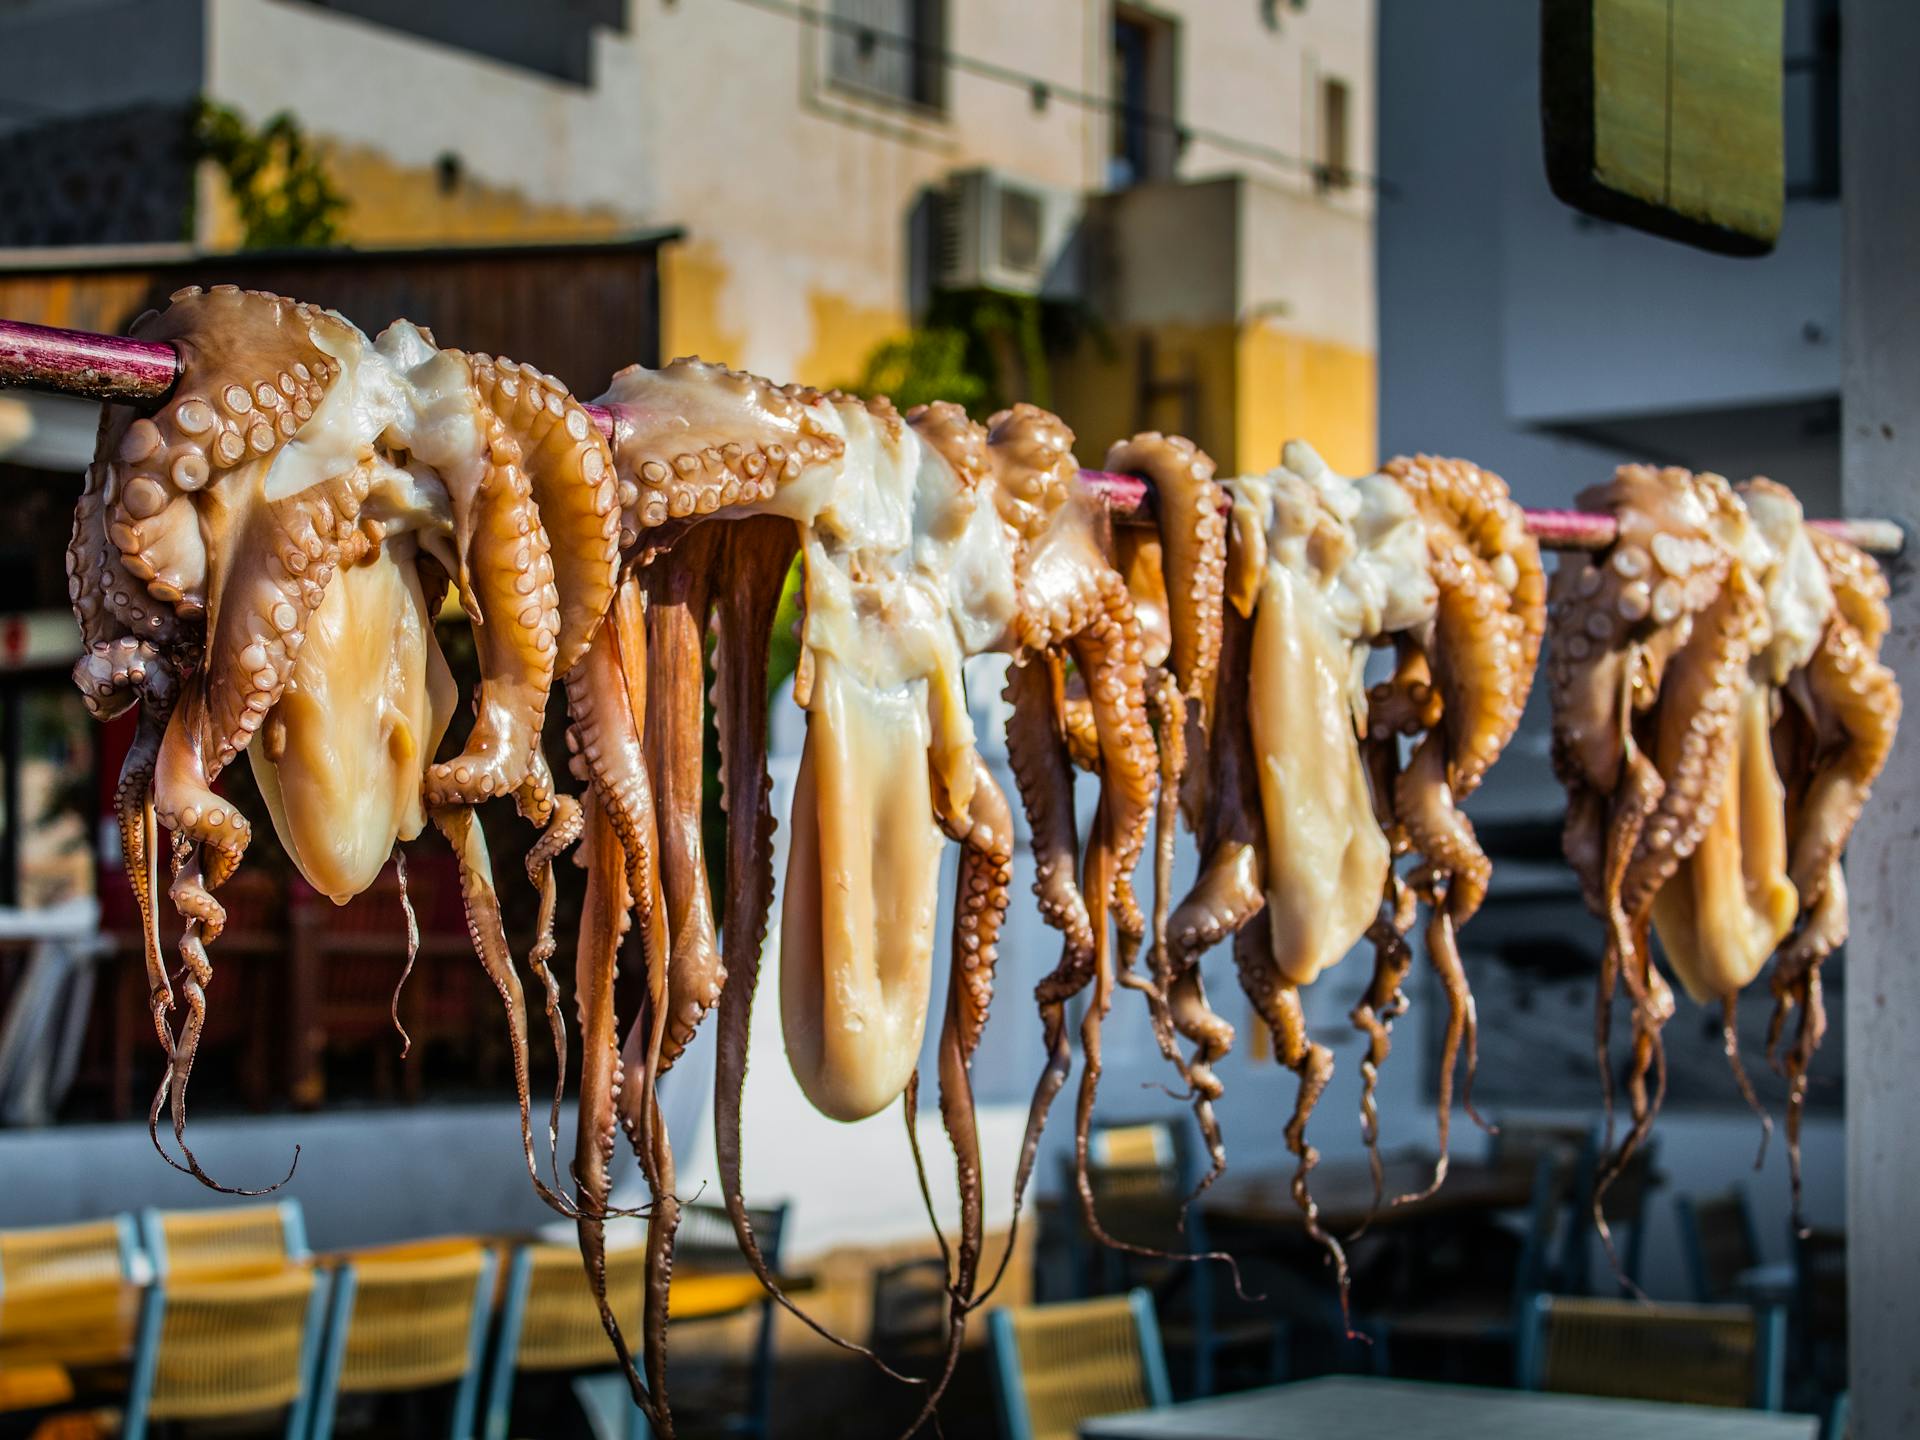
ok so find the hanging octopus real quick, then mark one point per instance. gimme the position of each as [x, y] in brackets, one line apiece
[924, 539]
[1720, 713]
[301, 489]
[1306, 803]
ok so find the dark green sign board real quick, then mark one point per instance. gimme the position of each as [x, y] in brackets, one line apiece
[1665, 115]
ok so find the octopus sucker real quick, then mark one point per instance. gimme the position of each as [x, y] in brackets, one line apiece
[1709, 679]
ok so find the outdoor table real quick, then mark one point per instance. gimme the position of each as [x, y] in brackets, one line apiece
[1353, 1405]
[1343, 1189]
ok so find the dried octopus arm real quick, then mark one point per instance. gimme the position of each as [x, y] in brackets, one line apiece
[1459, 871]
[575, 490]
[487, 932]
[1491, 611]
[508, 583]
[1276, 1000]
[677, 606]
[1036, 753]
[1192, 536]
[752, 569]
[604, 919]
[607, 703]
[699, 437]
[985, 832]
[1230, 889]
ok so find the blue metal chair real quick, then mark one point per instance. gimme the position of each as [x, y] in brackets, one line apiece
[1057, 1365]
[550, 1323]
[207, 1349]
[224, 1240]
[1731, 1355]
[408, 1321]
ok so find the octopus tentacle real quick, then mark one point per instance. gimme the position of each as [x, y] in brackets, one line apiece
[1276, 1000]
[699, 437]
[1034, 751]
[570, 470]
[1193, 538]
[677, 606]
[606, 700]
[1381, 1003]
[509, 582]
[605, 917]
[751, 571]
[1229, 890]
[985, 833]
[1423, 802]
[487, 932]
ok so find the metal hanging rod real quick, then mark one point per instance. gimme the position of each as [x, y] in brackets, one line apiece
[141, 372]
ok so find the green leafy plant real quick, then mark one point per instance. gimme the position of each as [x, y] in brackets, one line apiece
[982, 349]
[279, 185]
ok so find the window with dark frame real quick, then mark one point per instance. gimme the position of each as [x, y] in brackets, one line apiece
[890, 50]
[1336, 97]
[1146, 134]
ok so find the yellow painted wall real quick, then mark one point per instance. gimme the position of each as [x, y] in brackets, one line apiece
[392, 204]
[1255, 386]
[1291, 386]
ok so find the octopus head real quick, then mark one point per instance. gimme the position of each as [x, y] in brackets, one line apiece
[256, 532]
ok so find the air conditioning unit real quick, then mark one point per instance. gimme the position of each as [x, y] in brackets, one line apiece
[1002, 232]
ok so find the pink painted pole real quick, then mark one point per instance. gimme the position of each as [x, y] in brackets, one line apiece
[93, 367]
[141, 372]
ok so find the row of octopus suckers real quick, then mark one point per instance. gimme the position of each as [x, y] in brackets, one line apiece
[258, 567]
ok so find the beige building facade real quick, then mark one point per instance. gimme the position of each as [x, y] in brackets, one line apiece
[1213, 155]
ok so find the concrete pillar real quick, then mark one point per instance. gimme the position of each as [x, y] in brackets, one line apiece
[1880, 178]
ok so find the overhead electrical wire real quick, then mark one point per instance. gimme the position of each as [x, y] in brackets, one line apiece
[1043, 91]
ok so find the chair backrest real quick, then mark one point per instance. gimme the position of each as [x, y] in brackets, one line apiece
[706, 1235]
[1058, 1365]
[1728, 1355]
[1721, 1243]
[99, 1252]
[910, 1309]
[549, 1321]
[211, 1348]
[224, 1240]
[407, 1323]
[1135, 1145]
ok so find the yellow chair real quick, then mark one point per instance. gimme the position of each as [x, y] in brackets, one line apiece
[224, 1240]
[208, 1349]
[1058, 1365]
[99, 1252]
[407, 1321]
[1729, 1355]
[549, 1322]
